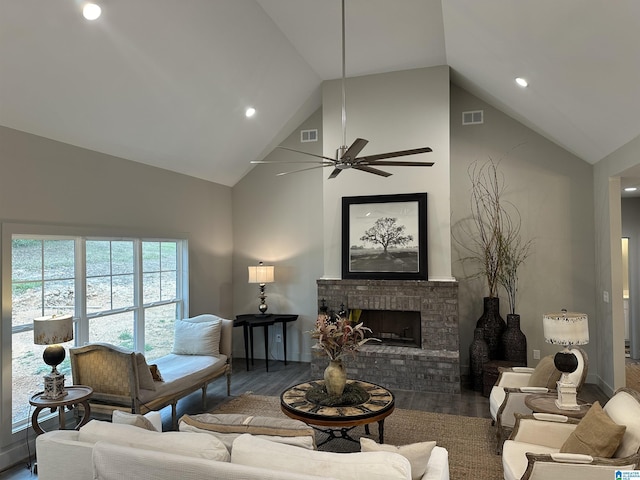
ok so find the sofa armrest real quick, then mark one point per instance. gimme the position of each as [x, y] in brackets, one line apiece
[54, 450]
[226, 338]
[543, 429]
[438, 466]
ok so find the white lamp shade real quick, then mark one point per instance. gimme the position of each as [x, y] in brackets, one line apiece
[261, 274]
[566, 328]
[52, 330]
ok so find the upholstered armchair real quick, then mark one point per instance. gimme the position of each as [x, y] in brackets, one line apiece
[515, 383]
[543, 446]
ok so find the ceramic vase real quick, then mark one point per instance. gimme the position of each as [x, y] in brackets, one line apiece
[514, 342]
[478, 355]
[493, 325]
[335, 378]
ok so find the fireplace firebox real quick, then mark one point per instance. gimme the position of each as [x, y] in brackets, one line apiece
[392, 327]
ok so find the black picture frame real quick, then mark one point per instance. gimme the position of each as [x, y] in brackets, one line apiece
[368, 259]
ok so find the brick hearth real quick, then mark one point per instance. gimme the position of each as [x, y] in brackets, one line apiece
[433, 368]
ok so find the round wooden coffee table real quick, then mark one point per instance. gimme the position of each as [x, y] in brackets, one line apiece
[378, 405]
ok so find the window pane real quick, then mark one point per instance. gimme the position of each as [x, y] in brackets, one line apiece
[159, 324]
[115, 329]
[26, 258]
[168, 255]
[98, 254]
[28, 367]
[151, 287]
[26, 302]
[150, 256]
[59, 297]
[59, 259]
[168, 280]
[121, 257]
[122, 291]
[98, 294]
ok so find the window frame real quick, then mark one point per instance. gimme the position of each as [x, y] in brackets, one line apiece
[9, 433]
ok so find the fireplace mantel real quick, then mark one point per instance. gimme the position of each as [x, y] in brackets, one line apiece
[434, 367]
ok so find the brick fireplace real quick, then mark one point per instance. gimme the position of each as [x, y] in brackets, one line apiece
[431, 366]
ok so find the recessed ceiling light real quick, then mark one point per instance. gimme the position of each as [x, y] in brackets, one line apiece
[631, 189]
[250, 112]
[522, 82]
[91, 11]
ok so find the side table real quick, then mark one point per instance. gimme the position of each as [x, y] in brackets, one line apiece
[250, 321]
[546, 403]
[76, 395]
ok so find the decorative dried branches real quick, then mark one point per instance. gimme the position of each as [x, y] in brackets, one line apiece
[494, 234]
[339, 337]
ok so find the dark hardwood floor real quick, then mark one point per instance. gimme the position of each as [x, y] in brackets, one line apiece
[467, 403]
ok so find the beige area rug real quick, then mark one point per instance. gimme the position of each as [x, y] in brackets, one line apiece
[470, 441]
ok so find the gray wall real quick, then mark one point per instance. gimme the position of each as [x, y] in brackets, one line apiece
[278, 220]
[553, 191]
[608, 272]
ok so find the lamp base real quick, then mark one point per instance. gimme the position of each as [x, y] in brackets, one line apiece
[53, 386]
[567, 396]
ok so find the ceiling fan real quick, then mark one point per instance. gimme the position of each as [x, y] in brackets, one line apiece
[347, 157]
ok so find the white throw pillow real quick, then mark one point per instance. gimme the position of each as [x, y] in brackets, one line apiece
[257, 452]
[197, 338]
[199, 445]
[135, 419]
[417, 453]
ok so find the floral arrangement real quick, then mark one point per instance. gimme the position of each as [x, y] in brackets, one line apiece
[338, 337]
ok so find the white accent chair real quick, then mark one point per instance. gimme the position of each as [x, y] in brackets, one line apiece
[508, 394]
[533, 450]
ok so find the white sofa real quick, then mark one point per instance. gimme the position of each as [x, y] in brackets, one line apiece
[112, 452]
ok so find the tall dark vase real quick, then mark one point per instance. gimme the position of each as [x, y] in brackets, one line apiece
[478, 356]
[514, 342]
[493, 325]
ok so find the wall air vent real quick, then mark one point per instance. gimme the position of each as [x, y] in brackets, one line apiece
[475, 117]
[309, 135]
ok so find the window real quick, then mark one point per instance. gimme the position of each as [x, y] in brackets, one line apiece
[122, 291]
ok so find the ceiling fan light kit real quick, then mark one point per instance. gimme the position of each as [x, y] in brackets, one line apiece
[347, 157]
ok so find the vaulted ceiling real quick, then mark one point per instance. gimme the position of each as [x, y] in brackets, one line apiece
[167, 82]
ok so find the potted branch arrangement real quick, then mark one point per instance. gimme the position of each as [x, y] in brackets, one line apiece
[337, 337]
[495, 245]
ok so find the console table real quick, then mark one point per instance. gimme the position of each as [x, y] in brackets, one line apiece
[250, 321]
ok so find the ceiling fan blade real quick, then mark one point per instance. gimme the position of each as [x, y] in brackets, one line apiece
[400, 153]
[263, 162]
[335, 173]
[391, 163]
[307, 153]
[375, 171]
[301, 170]
[355, 148]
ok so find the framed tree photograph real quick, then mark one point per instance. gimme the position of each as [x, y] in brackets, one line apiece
[384, 237]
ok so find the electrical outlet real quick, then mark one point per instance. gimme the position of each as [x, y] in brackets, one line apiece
[605, 296]
[536, 354]
[278, 338]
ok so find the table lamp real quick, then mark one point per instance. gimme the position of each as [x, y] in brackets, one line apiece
[261, 274]
[52, 331]
[566, 328]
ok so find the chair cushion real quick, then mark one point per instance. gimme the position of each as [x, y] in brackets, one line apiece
[514, 457]
[202, 338]
[545, 374]
[624, 409]
[417, 453]
[495, 400]
[596, 435]
[135, 419]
